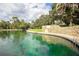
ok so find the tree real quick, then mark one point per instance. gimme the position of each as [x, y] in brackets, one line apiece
[4, 24]
[19, 23]
[43, 20]
[66, 12]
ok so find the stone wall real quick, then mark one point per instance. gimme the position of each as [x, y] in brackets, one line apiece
[63, 30]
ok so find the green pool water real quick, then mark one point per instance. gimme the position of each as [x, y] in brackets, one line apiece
[29, 44]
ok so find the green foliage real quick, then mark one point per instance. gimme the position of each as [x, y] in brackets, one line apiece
[4, 24]
[60, 14]
[16, 24]
[43, 20]
[69, 15]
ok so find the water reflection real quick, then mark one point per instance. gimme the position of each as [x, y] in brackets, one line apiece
[22, 43]
[58, 46]
[56, 40]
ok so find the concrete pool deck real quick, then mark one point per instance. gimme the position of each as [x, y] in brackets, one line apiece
[73, 39]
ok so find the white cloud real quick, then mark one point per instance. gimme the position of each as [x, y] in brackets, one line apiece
[27, 11]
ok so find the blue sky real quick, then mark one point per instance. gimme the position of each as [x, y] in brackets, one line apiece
[26, 11]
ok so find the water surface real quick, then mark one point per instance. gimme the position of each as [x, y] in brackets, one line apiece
[29, 44]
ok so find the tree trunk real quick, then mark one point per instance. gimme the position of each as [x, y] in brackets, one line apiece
[71, 22]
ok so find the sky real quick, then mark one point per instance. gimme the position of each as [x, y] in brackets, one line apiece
[26, 11]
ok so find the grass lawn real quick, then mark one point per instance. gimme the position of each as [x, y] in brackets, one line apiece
[36, 30]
